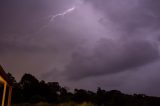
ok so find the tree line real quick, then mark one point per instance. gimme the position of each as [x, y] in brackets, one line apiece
[30, 90]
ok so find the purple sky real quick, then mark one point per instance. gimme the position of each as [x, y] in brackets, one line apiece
[113, 44]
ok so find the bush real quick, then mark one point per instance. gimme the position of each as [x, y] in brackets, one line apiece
[86, 104]
[62, 104]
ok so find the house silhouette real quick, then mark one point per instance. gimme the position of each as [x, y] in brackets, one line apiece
[5, 82]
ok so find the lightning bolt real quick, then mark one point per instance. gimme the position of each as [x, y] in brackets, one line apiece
[53, 17]
[63, 13]
[77, 3]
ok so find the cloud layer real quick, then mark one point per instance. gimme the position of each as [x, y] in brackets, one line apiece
[110, 57]
[111, 42]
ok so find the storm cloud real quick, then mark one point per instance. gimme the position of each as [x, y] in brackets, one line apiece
[111, 42]
[110, 57]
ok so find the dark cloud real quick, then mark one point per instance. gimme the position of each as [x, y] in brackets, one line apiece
[110, 57]
[128, 15]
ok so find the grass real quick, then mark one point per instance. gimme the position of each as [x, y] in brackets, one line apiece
[62, 104]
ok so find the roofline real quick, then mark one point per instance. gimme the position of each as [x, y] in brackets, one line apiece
[5, 76]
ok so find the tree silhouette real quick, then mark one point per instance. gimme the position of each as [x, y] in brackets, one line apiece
[31, 90]
[30, 87]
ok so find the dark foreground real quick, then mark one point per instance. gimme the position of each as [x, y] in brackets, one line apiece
[31, 92]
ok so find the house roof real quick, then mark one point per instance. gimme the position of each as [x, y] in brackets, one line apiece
[5, 76]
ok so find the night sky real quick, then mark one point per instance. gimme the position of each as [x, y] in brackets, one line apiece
[113, 44]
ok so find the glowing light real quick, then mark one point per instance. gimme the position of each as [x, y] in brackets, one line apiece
[53, 17]
[77, 3]
[63, 13]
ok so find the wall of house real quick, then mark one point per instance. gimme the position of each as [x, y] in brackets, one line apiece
[2, 80]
